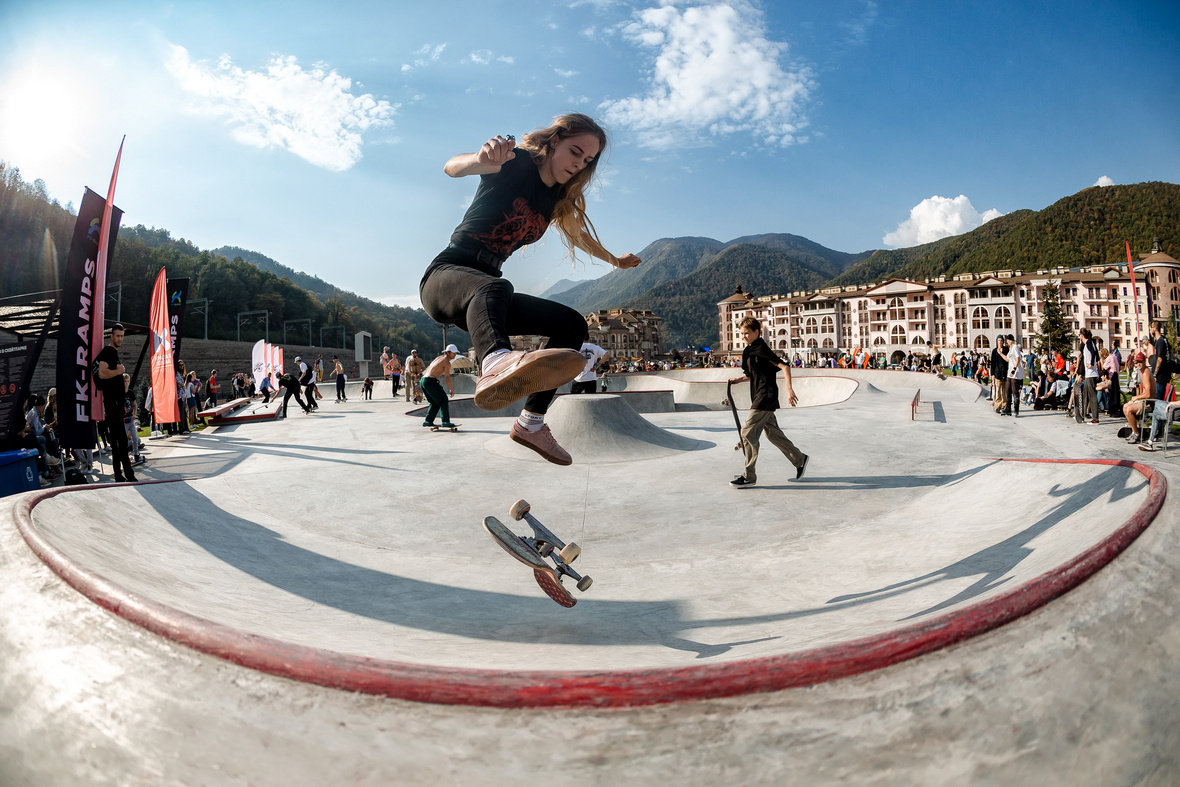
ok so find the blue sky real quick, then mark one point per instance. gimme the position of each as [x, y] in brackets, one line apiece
[316, 133]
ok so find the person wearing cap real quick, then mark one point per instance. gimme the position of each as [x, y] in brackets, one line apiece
[414, 368]
[338, 370]
[439, 369]
[307, 380]
[290, 388]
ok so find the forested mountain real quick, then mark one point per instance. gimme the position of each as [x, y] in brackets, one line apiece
[672, 258]
[681, 279]
[561, 286]
[688, 305]
[35, 235]
[663, 260]
[1087, 228]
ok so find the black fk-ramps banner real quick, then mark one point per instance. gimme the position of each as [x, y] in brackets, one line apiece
[177, 298]
[80, 300]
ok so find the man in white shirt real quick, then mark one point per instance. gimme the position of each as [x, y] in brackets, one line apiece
[1015, 377]
[587, 381]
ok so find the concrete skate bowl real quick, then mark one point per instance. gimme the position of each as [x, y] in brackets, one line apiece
[706, 388]
[670, 618]
[896, 381]
[599, 428]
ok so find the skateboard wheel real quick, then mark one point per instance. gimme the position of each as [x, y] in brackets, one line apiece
[584, 583]
[569, 553]
[519, 509]
[544, 548]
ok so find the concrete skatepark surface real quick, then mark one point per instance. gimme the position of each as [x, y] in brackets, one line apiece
[355, 531]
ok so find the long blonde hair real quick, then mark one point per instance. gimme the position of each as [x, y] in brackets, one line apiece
[577, 231]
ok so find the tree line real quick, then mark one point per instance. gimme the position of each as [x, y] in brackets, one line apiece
[35, 236]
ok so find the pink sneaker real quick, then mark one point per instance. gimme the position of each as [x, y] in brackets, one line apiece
[541, 441]
[519, 374]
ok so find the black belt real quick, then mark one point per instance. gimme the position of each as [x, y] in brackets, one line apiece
[481, 255]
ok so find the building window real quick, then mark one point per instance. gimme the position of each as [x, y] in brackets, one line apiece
[980, 320]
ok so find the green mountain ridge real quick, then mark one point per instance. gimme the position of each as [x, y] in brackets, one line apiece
[688, 305]
[35, 234]
[681, 279]
[1084, 229]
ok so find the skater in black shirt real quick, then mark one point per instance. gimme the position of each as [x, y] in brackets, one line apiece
[760, 366]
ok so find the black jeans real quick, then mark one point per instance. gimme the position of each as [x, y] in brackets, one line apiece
[289, 392]
[117, 437]
[458, 290]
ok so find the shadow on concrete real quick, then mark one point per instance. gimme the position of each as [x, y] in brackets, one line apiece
[477, 614]
[993, 563]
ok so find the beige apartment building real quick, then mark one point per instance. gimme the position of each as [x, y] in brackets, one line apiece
[966, 312]
[627, 334]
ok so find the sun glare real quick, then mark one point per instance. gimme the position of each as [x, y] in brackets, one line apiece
[43, 113]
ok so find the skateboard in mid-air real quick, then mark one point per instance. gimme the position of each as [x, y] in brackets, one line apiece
[532, 551]
[449, 427]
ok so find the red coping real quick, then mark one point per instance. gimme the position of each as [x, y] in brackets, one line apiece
[622, 688]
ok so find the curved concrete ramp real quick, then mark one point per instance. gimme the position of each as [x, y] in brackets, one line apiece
[681, 608]
[597, 428]
[710, 390]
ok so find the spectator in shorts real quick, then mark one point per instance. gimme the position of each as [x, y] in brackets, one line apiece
[1134, 408]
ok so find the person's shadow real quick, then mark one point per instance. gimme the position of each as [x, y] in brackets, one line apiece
[475, 614]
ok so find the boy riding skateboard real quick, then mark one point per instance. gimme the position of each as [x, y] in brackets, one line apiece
[760, 366]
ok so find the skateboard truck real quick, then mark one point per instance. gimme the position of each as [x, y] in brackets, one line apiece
[533, 551]
[544, 542]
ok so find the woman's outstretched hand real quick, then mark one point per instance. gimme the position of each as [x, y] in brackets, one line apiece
[627, 261]
[496, 151]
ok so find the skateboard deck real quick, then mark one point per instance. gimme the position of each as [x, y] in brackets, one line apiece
[1125, 432]
[451, 428]
[733, 408]
[533, 551]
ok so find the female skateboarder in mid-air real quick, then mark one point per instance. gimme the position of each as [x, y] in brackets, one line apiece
[522, 191]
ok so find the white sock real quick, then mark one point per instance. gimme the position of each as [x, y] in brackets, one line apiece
[491, 359]
[531, 422]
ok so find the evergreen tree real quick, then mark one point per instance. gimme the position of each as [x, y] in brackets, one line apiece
[1055, 335]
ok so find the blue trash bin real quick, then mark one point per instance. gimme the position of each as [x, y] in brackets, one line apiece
[18, 471]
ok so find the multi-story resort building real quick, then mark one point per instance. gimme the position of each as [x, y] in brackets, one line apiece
[896, 317]
[627, 334]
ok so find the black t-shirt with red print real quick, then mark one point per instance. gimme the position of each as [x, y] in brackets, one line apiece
[512, 208]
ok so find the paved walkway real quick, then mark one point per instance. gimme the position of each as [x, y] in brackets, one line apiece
[348, 544]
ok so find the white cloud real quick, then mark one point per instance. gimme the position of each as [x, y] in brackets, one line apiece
[1104, 181]
[714, 73]
[309, 113]
[481, 56]
[427, 54]
[564, 74]
[858, 28]
[938, 217]
[411, 301]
